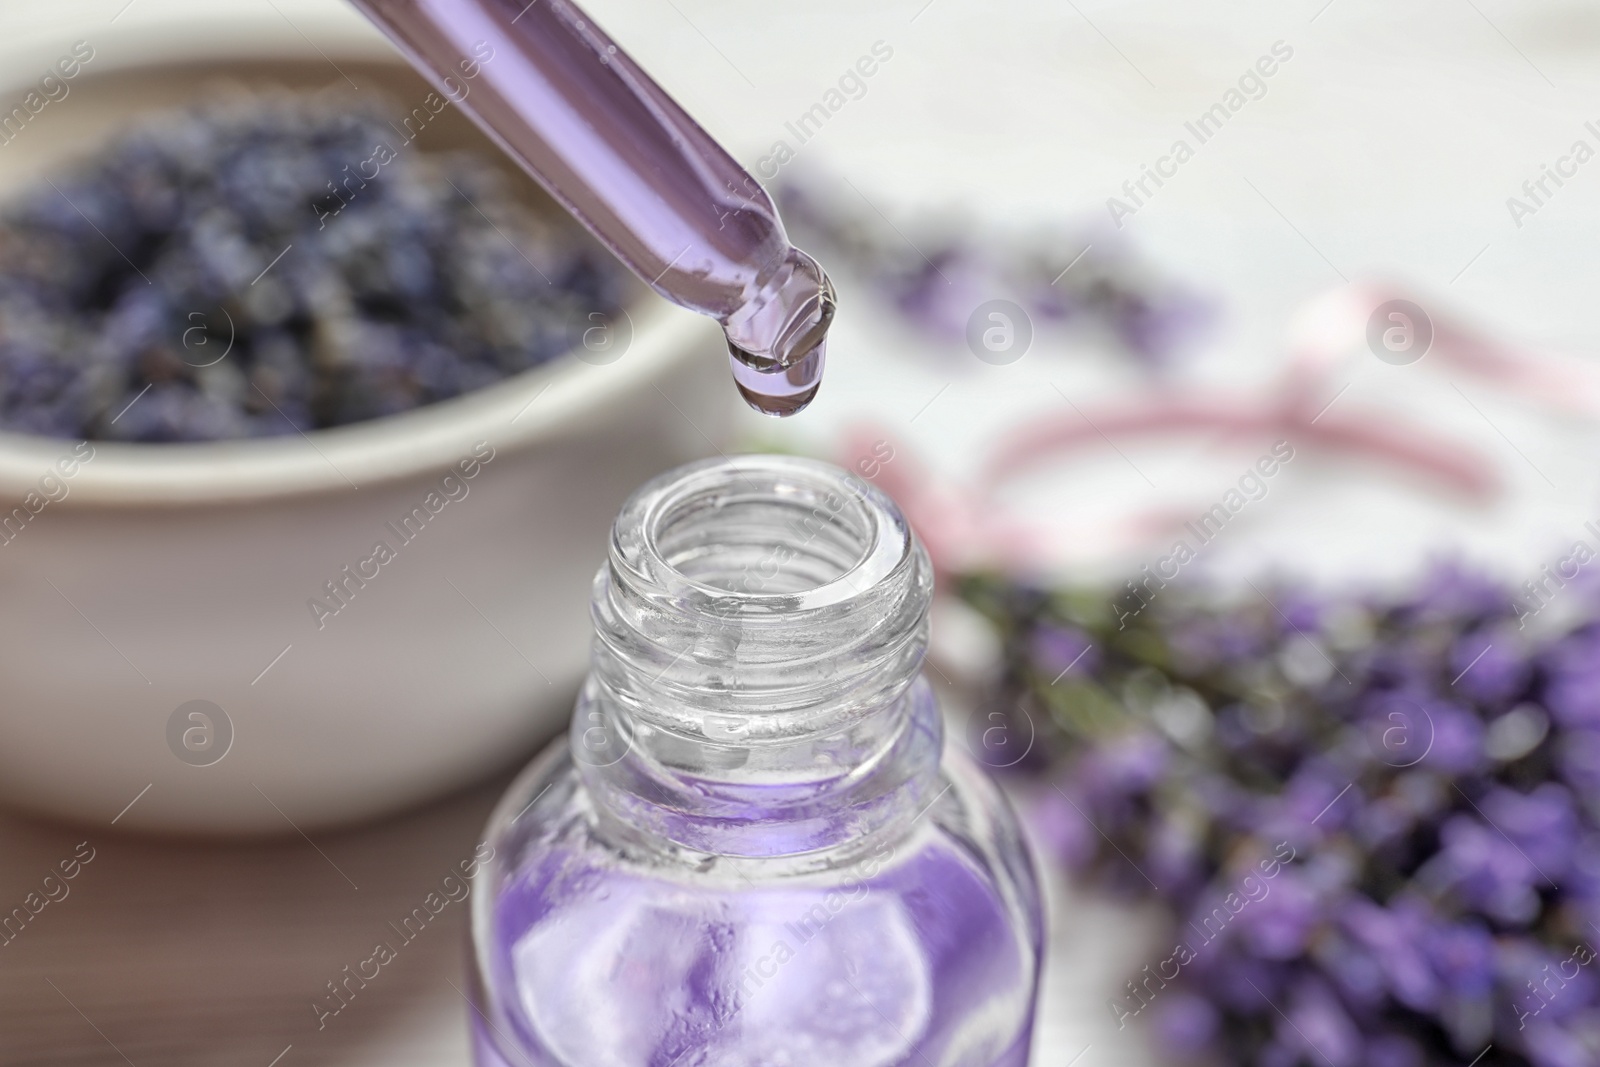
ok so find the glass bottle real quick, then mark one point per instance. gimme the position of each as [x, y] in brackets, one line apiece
[753, 848]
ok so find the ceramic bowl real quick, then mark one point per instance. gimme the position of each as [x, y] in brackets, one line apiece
[206, 638]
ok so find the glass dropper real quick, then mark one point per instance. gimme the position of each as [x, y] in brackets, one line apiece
[560, 98]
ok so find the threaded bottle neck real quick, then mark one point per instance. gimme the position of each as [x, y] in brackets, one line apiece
[759, 627]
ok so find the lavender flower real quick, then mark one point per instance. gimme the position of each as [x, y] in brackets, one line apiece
[937, 283]
[256, 268]
[1440, 790]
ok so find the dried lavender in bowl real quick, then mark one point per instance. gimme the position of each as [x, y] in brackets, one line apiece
[274, 265]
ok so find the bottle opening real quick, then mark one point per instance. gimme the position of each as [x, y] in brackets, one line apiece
[760, 536]
[763, 531]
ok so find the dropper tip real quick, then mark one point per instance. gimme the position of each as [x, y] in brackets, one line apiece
[776, 342]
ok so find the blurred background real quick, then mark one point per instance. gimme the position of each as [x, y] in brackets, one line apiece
[1302, 288]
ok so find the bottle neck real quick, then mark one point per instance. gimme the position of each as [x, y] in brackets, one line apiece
[759, 634]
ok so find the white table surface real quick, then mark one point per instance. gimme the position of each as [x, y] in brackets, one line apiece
[1388, 145]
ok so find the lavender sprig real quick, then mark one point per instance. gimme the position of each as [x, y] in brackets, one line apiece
[1068, 280]
[1421, 778]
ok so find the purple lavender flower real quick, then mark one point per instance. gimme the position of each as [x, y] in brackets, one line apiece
[1457, 741]
[1393, 1050]
[1063, 829]
[1238, 982]
[935, 289]
[1278, 1053]
[1063, 650]
[1303, 611]
[416, 278]
[1451, 590]
[1400, 664]
[1489, 872]
[1582, 879]
[1353, 968]
[1325, 1031]
[1549, 1045]
[1126, 765]
[1185, 1024]
[1215, 642]
[1573, 692]
[1489, 667]
[1155, 328]
[1579, 757]
[1432, 879]
[1278, 926]
[1319, 794]
[940, 294]
[1383, 822]
[1462, 956]
[1542, 824]
[1395, 937]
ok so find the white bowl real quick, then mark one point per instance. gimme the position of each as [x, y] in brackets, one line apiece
[169, 574]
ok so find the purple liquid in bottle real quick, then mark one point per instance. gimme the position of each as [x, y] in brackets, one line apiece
[754, 850]
[603, 138]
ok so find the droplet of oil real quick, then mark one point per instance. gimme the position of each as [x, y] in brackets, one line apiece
[779, 392]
